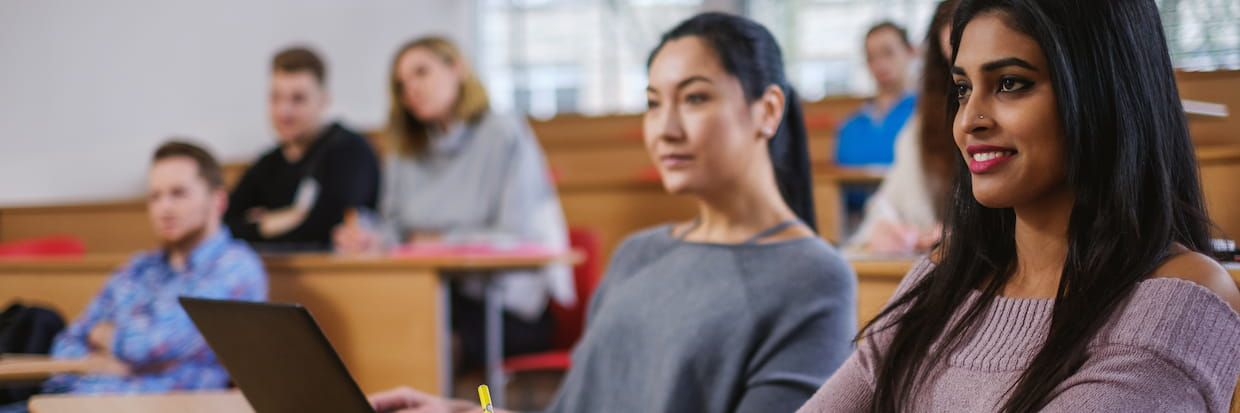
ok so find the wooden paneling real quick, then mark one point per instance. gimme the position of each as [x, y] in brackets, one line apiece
[105, 227]
[1216, 87]
[1220, 177]
[616, 214]
[385, 324]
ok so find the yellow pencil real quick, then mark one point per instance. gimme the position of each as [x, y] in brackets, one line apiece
[484, 395]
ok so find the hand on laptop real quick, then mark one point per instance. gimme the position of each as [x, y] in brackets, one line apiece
[407, 400]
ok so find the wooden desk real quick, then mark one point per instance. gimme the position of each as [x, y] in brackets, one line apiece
[25, 368]
[204, 402]
[876, 283]
[384, 316]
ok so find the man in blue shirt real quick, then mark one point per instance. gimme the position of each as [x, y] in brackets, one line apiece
[135, 333]
[867, 138]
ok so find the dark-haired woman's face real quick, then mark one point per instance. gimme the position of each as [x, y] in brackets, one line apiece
[1008, 127]
[700, 131]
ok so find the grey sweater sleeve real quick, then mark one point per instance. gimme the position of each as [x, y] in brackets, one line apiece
[803, 332]
[389, 195]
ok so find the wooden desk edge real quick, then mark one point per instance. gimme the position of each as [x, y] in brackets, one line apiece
[318, 261]
[882, 268]
[35, 367]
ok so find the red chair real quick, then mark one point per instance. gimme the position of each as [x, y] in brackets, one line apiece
[52, 246]
[569, 321]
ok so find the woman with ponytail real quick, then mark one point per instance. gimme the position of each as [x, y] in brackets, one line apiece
[743, 308]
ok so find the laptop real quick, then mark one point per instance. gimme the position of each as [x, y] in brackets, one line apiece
[277, 355]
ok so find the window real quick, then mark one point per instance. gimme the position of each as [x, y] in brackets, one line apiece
[545, 57]
[1202, 34]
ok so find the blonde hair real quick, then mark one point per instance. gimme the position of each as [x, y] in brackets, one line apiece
[405, 133]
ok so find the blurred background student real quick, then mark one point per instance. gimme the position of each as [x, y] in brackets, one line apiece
[905, 215]
[868, 137]
[134, 335]
[741, 309]
[459, 173]
[292, 197]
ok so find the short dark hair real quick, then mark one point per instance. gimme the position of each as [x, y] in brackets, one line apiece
[208, 168]
[890, 25]
[300, 59]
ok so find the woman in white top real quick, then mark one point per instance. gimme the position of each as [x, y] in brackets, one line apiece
[905, 214]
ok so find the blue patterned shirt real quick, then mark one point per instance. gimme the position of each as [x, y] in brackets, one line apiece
[154, 335]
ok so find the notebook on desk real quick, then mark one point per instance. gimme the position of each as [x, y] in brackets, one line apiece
[277, 356]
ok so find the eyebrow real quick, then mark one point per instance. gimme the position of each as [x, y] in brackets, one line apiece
[686, 82]
[1005, 62]
[999, 64]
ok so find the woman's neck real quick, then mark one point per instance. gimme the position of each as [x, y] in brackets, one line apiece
[736, 214]
[1041, 247]
[887, 99]
[440, 126]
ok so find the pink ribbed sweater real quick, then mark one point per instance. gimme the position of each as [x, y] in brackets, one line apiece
[1173, 347]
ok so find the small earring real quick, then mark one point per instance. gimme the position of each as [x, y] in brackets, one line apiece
[767, 132]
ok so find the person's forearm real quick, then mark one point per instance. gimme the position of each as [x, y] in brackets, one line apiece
[281, 221]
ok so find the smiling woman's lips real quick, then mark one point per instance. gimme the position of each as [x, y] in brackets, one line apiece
[986, 158]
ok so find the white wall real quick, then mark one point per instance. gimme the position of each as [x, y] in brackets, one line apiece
[89, 88]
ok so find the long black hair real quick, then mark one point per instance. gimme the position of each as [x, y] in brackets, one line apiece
[749, 51]
[938, 150]
[1130, 165]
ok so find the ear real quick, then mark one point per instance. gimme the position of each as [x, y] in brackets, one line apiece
[769, 111]
[219, 200]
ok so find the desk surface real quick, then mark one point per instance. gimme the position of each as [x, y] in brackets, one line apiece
[278, 263]
[202, 402]
[28, 367]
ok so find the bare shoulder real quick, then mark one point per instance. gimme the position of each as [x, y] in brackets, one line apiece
[1203, 270]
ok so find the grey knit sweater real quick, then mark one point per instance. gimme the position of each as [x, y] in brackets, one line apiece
[681, 326]
[1173, 347]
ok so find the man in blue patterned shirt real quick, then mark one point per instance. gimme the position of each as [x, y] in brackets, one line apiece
[136, 334]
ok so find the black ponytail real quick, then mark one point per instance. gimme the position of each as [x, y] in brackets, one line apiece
[790, 155]
[749, 51]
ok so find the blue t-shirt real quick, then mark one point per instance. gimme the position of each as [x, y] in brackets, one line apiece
[866, 140]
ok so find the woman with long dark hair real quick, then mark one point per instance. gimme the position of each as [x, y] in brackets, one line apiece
[743, 309]
[1072, 275]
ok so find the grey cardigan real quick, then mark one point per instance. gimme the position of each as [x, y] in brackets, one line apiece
[482, 181]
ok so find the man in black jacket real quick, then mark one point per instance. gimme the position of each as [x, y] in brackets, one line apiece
[293, 196]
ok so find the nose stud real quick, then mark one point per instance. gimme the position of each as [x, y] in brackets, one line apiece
[981, 116]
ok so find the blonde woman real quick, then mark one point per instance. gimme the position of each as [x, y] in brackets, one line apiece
[455, 171]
